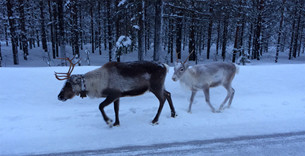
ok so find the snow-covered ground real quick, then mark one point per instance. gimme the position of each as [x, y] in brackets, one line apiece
[269, 99]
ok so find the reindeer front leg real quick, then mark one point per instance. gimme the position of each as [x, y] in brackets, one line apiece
[105, 103]
[191, 101]
[116, 111]
[207, 99]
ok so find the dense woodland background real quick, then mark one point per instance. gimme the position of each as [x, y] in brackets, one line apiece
[161, 27]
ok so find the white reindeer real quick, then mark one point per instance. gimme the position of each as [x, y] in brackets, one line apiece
[205, 76]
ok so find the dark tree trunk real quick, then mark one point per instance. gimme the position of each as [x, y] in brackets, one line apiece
[140, 32]
[179, 34]
[170, 39]
[14, 39]
[99, 35]
[75, 28]
[55, 22]
[224, 38]
[92, 27]
[61, 31]
[6, 34]
[292, 36]
[109, 28]
[210, 30]
[81, 28]
[250, 40]
[43, 31]
[52, 29]
[258, 29]
[280, 32]
[24, 40]
[218, 38]
[296, 37]
[157, 33]
[192, 41]
[118, 32]
[236, 43]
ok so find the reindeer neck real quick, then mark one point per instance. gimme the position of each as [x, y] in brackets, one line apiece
[80, 81]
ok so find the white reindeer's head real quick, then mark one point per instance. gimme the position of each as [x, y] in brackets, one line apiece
[180, 68]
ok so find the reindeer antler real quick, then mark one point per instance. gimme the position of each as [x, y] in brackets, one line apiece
[177, 54]
[188, 56]
[68, 74]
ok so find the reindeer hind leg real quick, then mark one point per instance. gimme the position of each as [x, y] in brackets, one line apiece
[207, 99]
[191, 101]
[231, 98]
[116, 110]
[230, 94]
[160, 95]
[170, 102]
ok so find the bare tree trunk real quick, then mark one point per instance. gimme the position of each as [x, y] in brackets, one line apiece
[179, 33]
[24, 39]
[236, 43]
[280, 32]
[61, 31]
[118, 33]
[42, 23]
[75, 30]
[292, 35]
[99, 35]
[55, 22]
[296, 37]
[250, 40]
[218, 38]
[109, 28]
[170, 39]
[81, 36]
[210, 30]
[258, 29]
[92, 27]
[157, 35]
[224, 38]
[14, 39]
[52, 29]
[140, 31]
[192, 41]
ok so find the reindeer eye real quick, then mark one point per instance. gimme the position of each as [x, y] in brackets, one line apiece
[181, 69]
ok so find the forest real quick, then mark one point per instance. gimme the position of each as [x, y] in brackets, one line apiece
[165, 28]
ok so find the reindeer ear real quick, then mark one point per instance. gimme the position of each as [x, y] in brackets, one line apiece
[176, 63]
[186, 65]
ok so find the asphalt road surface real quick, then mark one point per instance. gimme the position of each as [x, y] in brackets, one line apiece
[261, 145]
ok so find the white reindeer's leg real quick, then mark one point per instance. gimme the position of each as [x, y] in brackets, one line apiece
[206, 92]
[191, 101]
[231, 98]
[230, 92]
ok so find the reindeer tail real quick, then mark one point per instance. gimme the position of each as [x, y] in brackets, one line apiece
[166, 66]
[237, 69]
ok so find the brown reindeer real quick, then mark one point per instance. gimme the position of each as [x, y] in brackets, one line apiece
[114, 80]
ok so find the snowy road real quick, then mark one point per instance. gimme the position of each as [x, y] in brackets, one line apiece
[274, 144]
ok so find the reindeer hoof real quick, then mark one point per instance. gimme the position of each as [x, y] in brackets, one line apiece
[116, 124]
[155, 123]
[109, 123]
[190, 112]
[173, 115]
[218, 111]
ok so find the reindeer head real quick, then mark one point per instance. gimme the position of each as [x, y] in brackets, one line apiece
[72, 85]
[180, 68]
